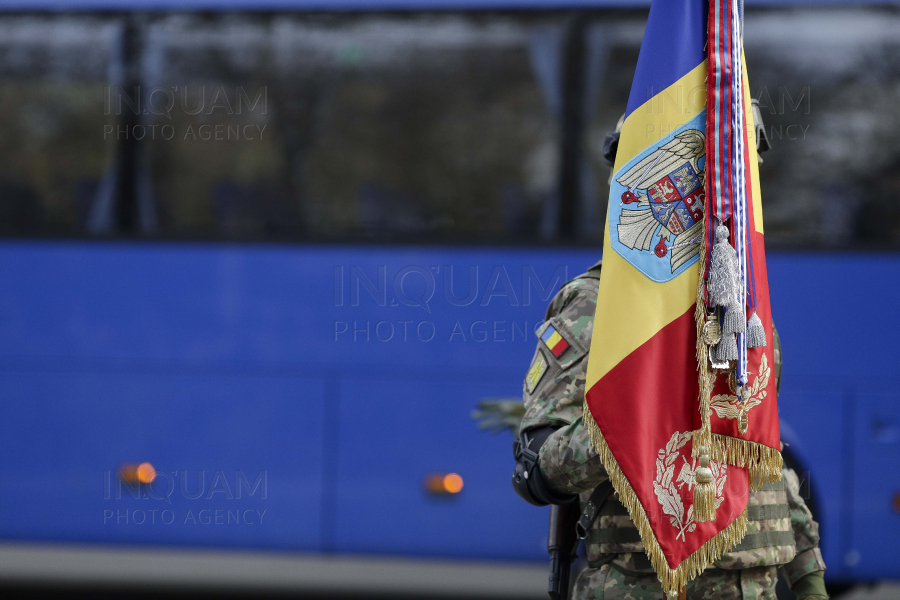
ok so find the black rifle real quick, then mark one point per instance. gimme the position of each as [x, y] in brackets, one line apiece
[569, 524]
[561, 544]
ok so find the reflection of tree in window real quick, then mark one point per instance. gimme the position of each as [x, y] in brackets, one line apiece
[423, 127]
[439, 144]
[52, 147]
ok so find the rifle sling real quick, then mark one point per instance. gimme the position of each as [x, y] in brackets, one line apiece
[592, 508]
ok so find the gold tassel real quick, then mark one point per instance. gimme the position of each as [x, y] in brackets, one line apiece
[763, 462]
[672, 580]
[704, 492]
[705, 485]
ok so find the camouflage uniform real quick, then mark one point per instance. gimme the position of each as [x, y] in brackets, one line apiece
[781, 531]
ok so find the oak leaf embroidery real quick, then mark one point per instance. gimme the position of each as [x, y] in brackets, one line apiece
[667, 486]
[728, 406]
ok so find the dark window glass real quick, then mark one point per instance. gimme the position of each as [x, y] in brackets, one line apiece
[53, 156]
[612, 47]
[829, 87]
[366, 127]
[444, 127]
[828, 81]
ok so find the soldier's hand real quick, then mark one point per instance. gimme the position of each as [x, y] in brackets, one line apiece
[811, 587]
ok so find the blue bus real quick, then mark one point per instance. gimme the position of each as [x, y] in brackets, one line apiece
[260, 262]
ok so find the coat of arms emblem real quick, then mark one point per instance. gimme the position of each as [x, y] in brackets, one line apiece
[657, 224]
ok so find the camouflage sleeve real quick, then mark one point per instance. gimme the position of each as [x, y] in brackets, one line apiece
[806, 533]
[554, 390]
[568, 461]
[554, 385]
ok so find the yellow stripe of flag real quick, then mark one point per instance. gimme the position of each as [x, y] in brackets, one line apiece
[554, 339]
[617, 333]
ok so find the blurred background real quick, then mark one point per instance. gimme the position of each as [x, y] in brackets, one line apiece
[260, 261]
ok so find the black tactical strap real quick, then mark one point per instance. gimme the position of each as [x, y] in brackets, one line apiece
[765, 539]
[639, 560]
[619, 535]
[592, 509]
[752, 541]
[761, 512]
[769, 487]
[613, 508]
[630, 535]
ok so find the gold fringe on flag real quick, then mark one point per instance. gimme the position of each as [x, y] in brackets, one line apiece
[763, 462]
[672, 580]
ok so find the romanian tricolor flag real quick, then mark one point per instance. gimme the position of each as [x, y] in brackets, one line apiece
[680, 402]
[554, 342]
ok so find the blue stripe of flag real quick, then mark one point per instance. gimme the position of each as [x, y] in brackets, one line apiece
[673, 45]
[548, 334]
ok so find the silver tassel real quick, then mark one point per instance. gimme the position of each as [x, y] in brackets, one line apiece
[735, 321]
[722, 284]
[756, 335]
[726, 349]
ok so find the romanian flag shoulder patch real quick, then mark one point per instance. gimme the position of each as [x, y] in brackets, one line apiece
[555, 342]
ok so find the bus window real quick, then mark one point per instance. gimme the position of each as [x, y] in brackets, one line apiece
[53, 153]
[828, 82]
[358, 127]
[464, 127]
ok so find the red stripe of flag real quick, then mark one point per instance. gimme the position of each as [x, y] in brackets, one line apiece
[559, 347]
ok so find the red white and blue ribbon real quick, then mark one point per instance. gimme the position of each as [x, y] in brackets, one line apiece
[726, 155]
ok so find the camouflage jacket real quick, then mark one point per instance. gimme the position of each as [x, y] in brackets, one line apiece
[781, 529]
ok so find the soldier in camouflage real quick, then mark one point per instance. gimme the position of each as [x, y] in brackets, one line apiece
[781, 531]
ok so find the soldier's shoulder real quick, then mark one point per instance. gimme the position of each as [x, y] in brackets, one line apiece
[578, 294]
[554, 385]
[571, 313]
